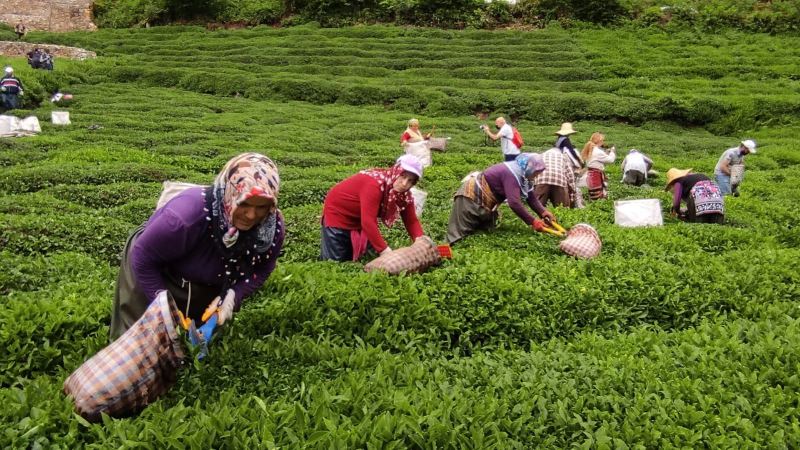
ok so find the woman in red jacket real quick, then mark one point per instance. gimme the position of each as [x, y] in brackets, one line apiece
[353, 207]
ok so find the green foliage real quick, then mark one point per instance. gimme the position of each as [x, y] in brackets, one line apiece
[127, 13]
[684, 335]
[597, 11]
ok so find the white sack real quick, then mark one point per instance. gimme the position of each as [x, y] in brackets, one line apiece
[8, 124]
[419, 199]
[421, 151]
[638, 213]
[60, 117]
[30, 123]
[171, 189]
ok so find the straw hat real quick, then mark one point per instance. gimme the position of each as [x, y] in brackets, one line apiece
[566, 129]
[673, 174]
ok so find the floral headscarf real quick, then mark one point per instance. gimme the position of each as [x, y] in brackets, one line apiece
[392, 202]
[243, 177]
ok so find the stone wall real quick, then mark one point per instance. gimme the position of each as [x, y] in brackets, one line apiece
[54, 15]
[16, 48]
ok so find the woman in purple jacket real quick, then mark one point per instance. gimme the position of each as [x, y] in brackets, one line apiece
[207, 244]
[481, 193]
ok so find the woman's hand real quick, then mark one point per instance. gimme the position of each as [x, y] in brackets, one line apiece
[225, 310]
[548, 216]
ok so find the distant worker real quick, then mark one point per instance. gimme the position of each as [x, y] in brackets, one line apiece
[726, 166]
[40, 59]
[506, 135]
[10, 90]
[563, 142]
[481, 193]
[353, 207]
[704, 199]
[596, 159]
[556, 183]
[412, 134]
[21, 30]
[635, 167]
[415, 143]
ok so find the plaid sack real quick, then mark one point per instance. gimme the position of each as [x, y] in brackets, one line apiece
[416, 258]
[132, 371]
[582, 242]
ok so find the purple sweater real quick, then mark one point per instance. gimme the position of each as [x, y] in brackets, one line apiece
[504, 185]
[177, 237]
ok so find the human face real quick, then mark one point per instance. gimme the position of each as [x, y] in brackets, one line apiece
[404, 182]
[251, 212]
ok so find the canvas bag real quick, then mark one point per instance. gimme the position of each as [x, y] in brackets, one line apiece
[737, 174]
[133, 371]
[419, 200]
[30, 124]
[638, 213]
[437, 143]
[420, 150]
[8, 124]
[170, 189]
[60, 117]
[582, 242]
[416, 258]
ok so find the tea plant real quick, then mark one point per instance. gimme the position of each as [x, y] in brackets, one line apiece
[677, 336]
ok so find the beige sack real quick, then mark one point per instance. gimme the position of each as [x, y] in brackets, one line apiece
[60, 117]
[171, 189]
[421, 255]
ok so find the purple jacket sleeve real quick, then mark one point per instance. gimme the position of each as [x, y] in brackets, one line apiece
[513, 195]
[166, 237]
[535, 204]
[677, 193]
[244, 289]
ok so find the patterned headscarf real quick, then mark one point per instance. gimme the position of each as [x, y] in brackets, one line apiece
[392, 202]
[525, 166]
[243, 177]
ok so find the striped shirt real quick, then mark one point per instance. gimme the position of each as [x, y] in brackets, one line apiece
[10, 85]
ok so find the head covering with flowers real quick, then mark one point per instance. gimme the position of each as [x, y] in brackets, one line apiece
[392, 202]
[243, 177]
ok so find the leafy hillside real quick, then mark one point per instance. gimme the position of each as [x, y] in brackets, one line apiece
[678, 336]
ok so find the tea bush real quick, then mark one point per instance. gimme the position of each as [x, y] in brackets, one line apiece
[683, 335]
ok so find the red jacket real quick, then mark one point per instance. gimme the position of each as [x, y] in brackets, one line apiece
[354, 204]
